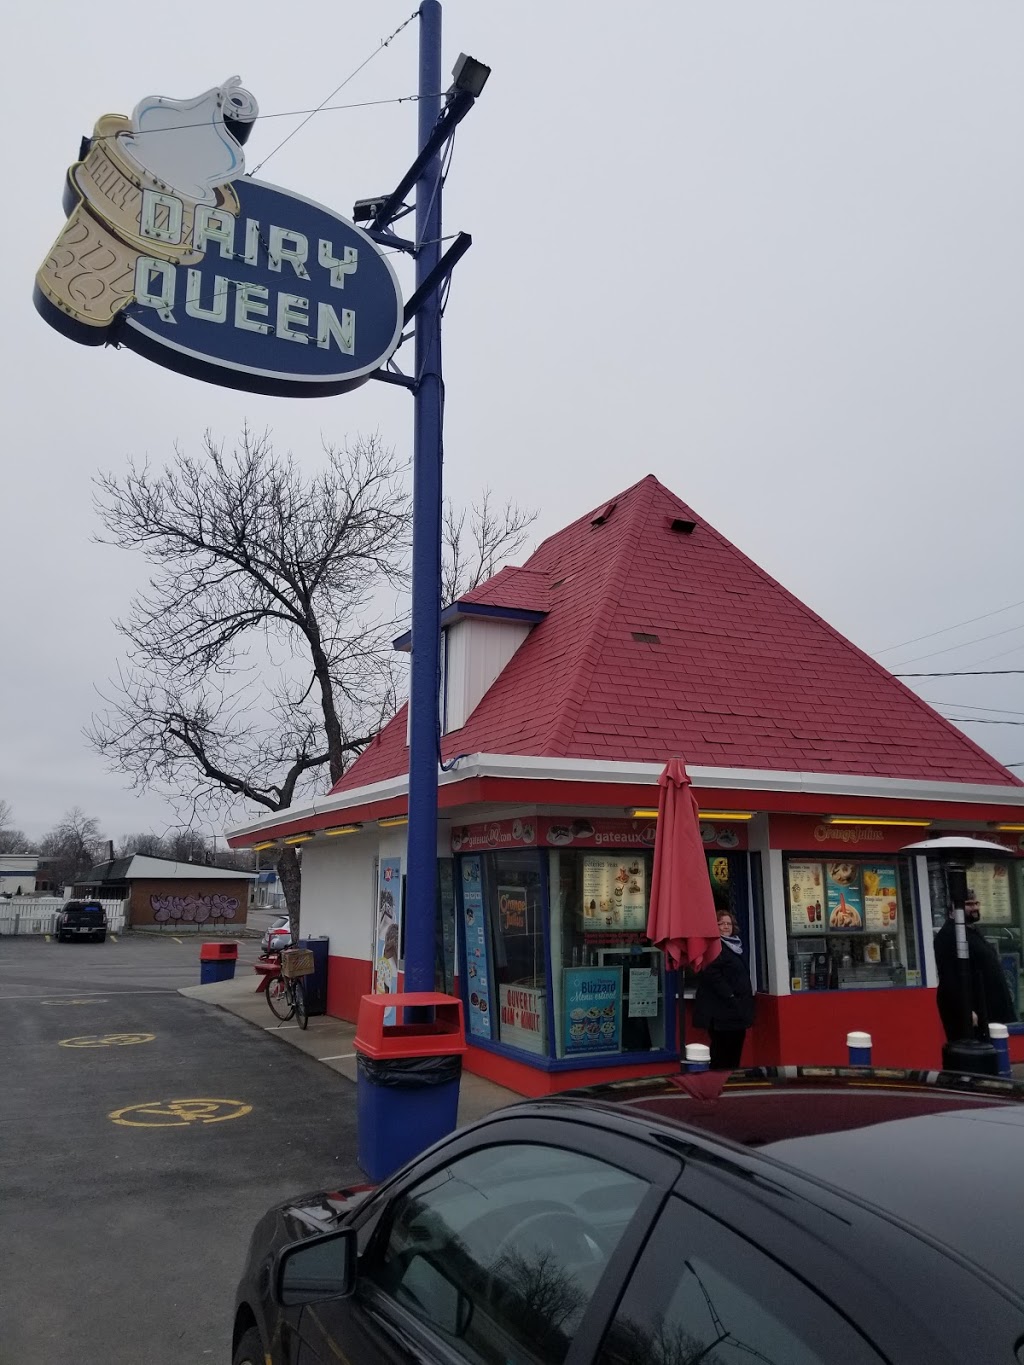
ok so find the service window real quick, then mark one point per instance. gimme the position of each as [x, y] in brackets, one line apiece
[850, 923]
[997, 890]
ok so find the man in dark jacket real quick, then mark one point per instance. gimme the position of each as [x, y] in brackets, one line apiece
[724, 1002]
[989, 1000]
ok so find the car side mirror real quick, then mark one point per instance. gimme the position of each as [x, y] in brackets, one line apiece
[317, 1268]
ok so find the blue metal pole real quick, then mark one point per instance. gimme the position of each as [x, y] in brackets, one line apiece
[426, 538]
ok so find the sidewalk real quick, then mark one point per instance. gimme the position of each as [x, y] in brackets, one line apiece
[330, 1040]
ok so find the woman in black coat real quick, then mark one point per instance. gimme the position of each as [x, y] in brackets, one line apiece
[724, 1003]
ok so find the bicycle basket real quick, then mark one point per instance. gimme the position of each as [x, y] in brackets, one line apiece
[297, 962]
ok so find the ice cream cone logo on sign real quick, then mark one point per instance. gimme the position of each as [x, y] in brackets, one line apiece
[134, 197]
[171, 250]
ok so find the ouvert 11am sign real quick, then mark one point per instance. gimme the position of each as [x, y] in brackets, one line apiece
[171, 250]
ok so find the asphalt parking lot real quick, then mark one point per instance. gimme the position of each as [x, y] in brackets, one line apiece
[141, 1135]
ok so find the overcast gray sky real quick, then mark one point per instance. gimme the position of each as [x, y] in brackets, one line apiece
[769, 251]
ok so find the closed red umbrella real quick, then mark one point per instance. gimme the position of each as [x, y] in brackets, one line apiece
[682, 918]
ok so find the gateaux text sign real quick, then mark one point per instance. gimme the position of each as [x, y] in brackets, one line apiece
[170, 250]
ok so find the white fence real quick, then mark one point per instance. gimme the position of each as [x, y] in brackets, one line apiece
[25, 915]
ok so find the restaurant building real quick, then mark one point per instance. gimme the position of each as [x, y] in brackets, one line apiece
[635, 634]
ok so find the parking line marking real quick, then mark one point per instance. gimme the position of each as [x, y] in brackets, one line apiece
[49, 995]
[276, 1028]
[176, 940]
[338, 1057]
[113, 938]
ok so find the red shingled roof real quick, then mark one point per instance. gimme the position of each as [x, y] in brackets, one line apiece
[518, 589]
[662, 641]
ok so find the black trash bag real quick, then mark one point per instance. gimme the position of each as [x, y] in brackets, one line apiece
[410, 1073]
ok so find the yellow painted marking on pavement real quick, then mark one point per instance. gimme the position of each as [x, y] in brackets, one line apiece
[179, 1113]
[47, 937]
[113, 938]
[176, 940]
[93, 1000]
[107, 1039]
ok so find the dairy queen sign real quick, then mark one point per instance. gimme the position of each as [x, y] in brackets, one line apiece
[170, 250]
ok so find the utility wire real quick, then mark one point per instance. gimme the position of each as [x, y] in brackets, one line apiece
[981, 720]
[932, 633]
[977, 639]
[970, 706]
[284, 113]
[965, 673]
[385, 42]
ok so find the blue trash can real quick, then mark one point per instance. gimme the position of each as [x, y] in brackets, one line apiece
[316, 984]
[407, 1095]
[217, 962]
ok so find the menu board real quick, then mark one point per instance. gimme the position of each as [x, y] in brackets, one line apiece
[614, 895]
[806, 898]
[989, 883]
[881, 903]
[478, 986]
[592, 1009]
[842, 887]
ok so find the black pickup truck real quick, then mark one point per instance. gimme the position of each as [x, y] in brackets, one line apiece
[81, 919]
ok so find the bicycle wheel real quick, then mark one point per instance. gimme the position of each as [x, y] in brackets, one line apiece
[279, 998]
[299, 992]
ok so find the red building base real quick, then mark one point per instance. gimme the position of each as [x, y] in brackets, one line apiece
[535, 1083]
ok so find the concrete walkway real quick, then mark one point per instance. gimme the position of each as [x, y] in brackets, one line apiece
[330, 1040]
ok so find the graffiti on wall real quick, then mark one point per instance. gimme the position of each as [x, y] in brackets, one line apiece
[193, 909]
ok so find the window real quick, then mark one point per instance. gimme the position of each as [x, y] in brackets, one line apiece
[503, 924]
[998, 887]
[500, 1252]
[702, 1293]
[608, 982]
[851, 923]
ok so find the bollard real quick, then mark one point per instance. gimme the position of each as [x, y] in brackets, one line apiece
[859, 1045]
[698, 1057]
[1000, 1036]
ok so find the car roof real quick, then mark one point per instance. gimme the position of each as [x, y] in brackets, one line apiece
[939, 1152]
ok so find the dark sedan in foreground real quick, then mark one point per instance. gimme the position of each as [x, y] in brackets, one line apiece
[798, 1216]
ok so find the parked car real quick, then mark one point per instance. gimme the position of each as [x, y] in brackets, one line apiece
[81, 919]
[278, 936]
[797, 1217]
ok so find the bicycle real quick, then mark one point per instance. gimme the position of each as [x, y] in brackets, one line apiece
[286, 997]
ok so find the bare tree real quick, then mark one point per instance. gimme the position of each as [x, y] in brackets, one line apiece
[187, 846]
[72, 847]
[476, 543]
[12, 840]
[148, 845]
[258, 655]
[259, 658]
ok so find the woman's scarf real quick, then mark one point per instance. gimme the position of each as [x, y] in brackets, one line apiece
[734, 942]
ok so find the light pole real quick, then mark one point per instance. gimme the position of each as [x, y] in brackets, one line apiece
[967, 1051]
[438, 118]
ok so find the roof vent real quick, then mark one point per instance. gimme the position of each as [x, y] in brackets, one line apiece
[683, 527]
[643, 637]
[602, 517]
